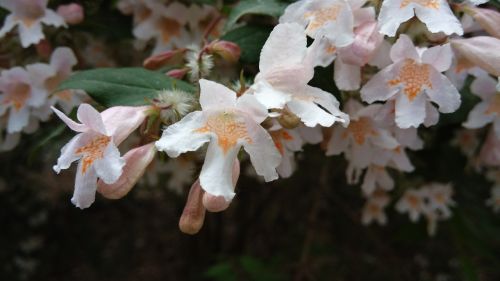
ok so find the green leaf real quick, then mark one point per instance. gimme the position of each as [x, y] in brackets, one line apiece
[122, 86]
[272, 8]
[250, 39]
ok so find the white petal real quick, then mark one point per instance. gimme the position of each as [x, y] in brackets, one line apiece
[439, 20]
[85, 187]
[310, 114]
[477, 116]
[8, 25]
[347, 76]
[63, 59]
[402, 162]
[109, 168]
[71, 124]
[68, 155]
[404, 49]
[327, 101]
[121, 121]
[484, 86]
[432, 115]
[287, 165]
[52, 18]
[263, 153]
[439, 57]
[216, 174]
[91, 118]
[181, 136]
[216, 96]
[285, 45]
[268, 96]
[392, 15]
[39, 72]
[340, 32]
[410, 113]
[18, 119]
[443, 93]
[30, 35]
[384, 139]
[249, 104]
[377, 89]
[338, 142]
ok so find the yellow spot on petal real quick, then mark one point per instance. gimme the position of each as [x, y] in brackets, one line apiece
[431, 4]
[414, 77]
[320, 17]
[228, 129]
[92, 151]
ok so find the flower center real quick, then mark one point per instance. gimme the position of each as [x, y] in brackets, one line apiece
[320, 17]
[227, 129]
[92, 151]
[18, 95]
[360, 129]
[432, 4]
[414, 76]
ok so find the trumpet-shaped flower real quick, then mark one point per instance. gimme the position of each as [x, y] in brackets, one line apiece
[227, 123]
[435, 14]
[95, 146]
[286, 66]
[29, 15]
[488, 110]
[414, 80]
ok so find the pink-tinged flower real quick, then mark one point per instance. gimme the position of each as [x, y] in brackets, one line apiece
[95, 146]
[488, 110]
[374, 208]
[488, 19]
[227, 123]
[376, 176]
[481, 51]
[439, 198]
[20, 96]
[136, 162]
[413, 203]
[435, 14]
[332, 19]
[71, 13]
[29, 15]
[414, 81]
[286, 66]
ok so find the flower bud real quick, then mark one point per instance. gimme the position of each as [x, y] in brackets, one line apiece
[71, 13]
[288, 120]
[481, 51]
[171, 57]
[178, 73]
[488, 19]
[193, 215]
[366, 41]
[218, 203]
[136, 162]
[228, 51]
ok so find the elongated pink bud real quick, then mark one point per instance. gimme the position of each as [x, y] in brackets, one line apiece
[178, 73]
[193, 215]
[481, 51]
[488, 19]
[171, 57]
[136, 162]
[218, 203]
[367, 39]
[229, 51]
[71, 13]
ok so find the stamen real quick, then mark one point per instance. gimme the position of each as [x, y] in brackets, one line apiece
[92, 151]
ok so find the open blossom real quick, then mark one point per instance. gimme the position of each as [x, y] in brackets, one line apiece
[28, 16]
[287, 142]
[19, 96]
[95, 147]
[440, 198]
[227, 123]
[332, 19]
[435, 14]
[286, 66]
[413, 203]
[414, 81]
[374, 208]
[488, 110]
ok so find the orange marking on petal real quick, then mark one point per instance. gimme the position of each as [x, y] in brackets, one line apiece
[320, 17]
[169, 28]
[227, 128]
[92, 151]
[431, 4]
[360, 129]
[414, 76]
[18, 95]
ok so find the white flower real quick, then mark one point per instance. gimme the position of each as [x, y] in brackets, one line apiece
[227, 123]
[414, 80]
[488, 110]
[29, 15]
[95, 146]
[440, 198]
[436, 14]
[376, 176]
[413, 203]
[374, 208]
[286, 66]
[287, 142]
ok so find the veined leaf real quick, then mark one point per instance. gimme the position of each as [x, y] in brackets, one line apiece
[250, 39]
[122, 86]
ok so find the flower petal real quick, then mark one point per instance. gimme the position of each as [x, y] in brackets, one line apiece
[377, 89]
[443, 93]
[404, 49]
[268, 96]
[477, 116]
[392, 15]
[121, 121]
[410, 113]
[30, 35]
[110, 166]
[71, 124]
[91, 118]
[440, 57]
[347, 76]
[68, 155]
[18, 119]
[215, 95]
[85, 187]
[439, 20]
[249, 104]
